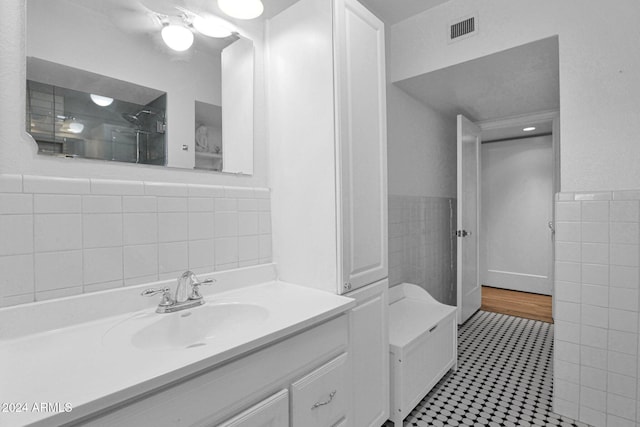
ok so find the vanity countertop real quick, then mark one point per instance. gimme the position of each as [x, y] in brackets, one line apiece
[81, 369]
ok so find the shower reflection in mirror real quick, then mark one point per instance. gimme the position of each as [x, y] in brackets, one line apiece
[73, 123]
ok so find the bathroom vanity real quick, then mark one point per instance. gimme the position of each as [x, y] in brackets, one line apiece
[266, 351]
[327, 112]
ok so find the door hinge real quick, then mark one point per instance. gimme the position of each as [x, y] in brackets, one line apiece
[463, 233]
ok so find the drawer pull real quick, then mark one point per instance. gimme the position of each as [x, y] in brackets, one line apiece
[433, 328]
[326, 402]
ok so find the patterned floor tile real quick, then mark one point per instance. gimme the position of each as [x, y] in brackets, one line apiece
[504, 378]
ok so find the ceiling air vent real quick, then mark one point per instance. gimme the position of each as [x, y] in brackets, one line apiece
[463, 28]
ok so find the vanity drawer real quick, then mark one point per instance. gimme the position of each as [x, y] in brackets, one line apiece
[271, 412]
[321, 397]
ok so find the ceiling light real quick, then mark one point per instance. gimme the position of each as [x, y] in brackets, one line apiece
[100, 100]
[177, 37]
[242, 9]
[211, 27]
[529, 129]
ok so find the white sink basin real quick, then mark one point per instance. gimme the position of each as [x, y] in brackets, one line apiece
[185, 329]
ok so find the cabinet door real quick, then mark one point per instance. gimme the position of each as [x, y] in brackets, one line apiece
[361, 144]
[271, 412]
[370, 355]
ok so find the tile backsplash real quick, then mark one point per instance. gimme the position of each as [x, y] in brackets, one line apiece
[63, 236]
[597, 307]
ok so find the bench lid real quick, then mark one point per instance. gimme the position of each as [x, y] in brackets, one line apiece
[409, 318]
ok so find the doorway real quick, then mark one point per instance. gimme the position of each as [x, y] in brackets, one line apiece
[506, 184]
[494, 92]
[509, 221]
[517, 187]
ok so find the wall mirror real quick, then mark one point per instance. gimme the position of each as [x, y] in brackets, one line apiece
[161, 82]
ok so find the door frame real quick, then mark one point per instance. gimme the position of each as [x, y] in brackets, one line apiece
[525, 120]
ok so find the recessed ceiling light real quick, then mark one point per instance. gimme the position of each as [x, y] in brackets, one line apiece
[177, 37]
[529, 129]
[100, 100]
[242, 9]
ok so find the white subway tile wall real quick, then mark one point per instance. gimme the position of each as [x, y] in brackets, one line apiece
[597, 322]
[65, 236]
[421, 244]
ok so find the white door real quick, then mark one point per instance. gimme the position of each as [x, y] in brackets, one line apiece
[517, 195]
[362, 144]
[468, 203]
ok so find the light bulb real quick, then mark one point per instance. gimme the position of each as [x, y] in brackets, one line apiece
[100, 100]
[529, 129]
[177, 37]
[75, 127]
[242, 9]
[211, 27]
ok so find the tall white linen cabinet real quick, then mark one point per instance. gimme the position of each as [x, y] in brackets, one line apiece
[326, 103]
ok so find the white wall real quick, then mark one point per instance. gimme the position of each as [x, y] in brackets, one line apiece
[599, 79]
[421, 148]
[517, 196]
[421, 143]
[18, 150]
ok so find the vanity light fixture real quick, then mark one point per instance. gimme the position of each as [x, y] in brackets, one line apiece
[103, 101]
[72, 125]
[211, 26]
[529, 129]
[241, 9]
[177, 37]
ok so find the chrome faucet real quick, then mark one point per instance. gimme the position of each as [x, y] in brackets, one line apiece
[187, 294]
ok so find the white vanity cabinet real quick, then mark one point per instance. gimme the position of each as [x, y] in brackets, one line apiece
[258, 390]
[326, 92]
[370, 350]
[361, 145]
[271, 412]
[327, 132]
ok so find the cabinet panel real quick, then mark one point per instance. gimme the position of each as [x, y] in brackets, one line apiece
[370, 353]
[271, 412]
[219, 393]
[362, 144]
[417, 367]
[321, 398]
[301, 125]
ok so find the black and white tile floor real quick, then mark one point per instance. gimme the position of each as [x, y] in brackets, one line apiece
[504, 377]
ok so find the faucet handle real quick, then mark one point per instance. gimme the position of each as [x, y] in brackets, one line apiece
[195, 288]
[166, 295]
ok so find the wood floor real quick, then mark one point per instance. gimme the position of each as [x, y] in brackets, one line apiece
[515, 303]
